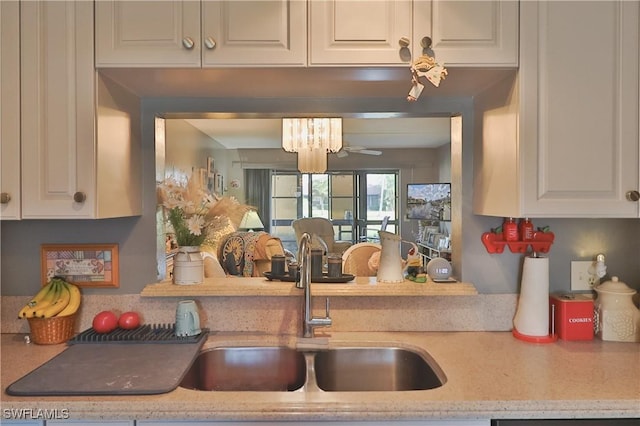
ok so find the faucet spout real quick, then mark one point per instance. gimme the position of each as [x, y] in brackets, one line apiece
[304, 282]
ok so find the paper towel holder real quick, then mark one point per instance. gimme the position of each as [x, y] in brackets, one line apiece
[552, 336]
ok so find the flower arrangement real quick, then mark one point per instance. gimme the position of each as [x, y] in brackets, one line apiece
[196, 216]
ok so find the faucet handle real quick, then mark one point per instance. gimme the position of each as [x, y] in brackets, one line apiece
[326, 308]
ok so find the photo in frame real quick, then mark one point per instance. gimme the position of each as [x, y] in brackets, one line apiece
[429, 201]
[218, 184]
[85, 265]
[211, 167]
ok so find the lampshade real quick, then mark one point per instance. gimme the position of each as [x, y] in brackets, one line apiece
[312, 138]
[251, 222]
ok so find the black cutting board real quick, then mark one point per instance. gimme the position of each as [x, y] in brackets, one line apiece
[107, 369]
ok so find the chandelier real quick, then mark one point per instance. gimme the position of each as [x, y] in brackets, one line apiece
[312, 139]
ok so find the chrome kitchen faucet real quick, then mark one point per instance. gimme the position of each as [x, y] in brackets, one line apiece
[304, 282]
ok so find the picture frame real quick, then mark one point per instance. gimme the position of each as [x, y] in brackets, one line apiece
[427, 231]
[218, 184]
[85, 265]
[429, 201]
[211, 167]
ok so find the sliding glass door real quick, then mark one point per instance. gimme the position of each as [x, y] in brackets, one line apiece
[355, 201]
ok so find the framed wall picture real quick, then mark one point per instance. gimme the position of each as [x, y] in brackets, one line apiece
[429, 201]
[85, 265]
[218, 184]
[211, 167]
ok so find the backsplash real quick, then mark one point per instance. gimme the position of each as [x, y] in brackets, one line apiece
[282, 315]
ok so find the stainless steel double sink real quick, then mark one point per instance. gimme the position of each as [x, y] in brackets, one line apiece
[338, 369]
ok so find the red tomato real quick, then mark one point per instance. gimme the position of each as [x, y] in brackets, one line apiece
[105, 321]
[129, 320]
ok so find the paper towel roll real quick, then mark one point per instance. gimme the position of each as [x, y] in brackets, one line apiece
[532, 315]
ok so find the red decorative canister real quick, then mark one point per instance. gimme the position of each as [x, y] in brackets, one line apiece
[572, 315]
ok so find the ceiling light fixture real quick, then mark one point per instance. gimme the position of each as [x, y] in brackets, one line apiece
[312, 139]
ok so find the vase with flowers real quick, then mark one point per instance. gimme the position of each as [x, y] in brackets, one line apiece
[196, 218]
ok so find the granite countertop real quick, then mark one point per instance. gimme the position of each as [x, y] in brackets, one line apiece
[489, 375]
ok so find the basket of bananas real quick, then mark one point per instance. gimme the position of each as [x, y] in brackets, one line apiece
[52, 312]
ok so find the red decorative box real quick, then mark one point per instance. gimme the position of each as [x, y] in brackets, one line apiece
[573, 315]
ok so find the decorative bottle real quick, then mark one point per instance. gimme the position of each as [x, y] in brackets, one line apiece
[526, 229]
[510, 229]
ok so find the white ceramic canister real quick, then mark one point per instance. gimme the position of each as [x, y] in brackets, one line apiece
[188, 266]
[616, 317]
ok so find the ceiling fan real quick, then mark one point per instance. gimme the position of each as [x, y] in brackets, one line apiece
[346, 150]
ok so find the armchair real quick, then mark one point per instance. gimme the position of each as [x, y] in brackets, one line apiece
[323, 228]
[356, 259]
[249, 253]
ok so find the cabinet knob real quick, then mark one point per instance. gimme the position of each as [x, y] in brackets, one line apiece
[404, 41]
[79, 197]
[5, 197]
[210, 43]
[426, 42]
[633, 195]
[188, 43]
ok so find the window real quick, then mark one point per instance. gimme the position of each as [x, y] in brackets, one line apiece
[355, 201]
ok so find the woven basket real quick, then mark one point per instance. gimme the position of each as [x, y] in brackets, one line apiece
[50, 331]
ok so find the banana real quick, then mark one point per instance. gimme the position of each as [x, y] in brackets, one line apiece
[59, 304]
[74, 300]
[52, 296]
[43, 298]
[35, 300]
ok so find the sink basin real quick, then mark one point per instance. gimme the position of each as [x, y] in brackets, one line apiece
[376, 369]
[247, 369]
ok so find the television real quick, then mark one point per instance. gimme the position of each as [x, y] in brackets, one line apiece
[429, 201]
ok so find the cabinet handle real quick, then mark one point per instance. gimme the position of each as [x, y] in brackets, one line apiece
[404, 41]
[210, 43]
[5, 197]
[426, 42]
[633, 195]
[79, 197]
[188, 43]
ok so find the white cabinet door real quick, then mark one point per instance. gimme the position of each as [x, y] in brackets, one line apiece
[584, 116]
[241, 33]
[566, 143]
[57, 104]
[194, 34]
[469, 33]
[460, 33]
[156, 33]
[80, 158]
[359, 32]
[10, 110]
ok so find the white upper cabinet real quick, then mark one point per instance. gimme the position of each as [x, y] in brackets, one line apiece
[470, 33]
[158, 33]
[80, 159]
[359, 32]
[274, 32]
[195, 34]
[393, 32]
[243, 33]
[10, 109]
[566, 142]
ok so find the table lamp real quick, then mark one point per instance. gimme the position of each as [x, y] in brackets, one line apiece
[251, 222]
